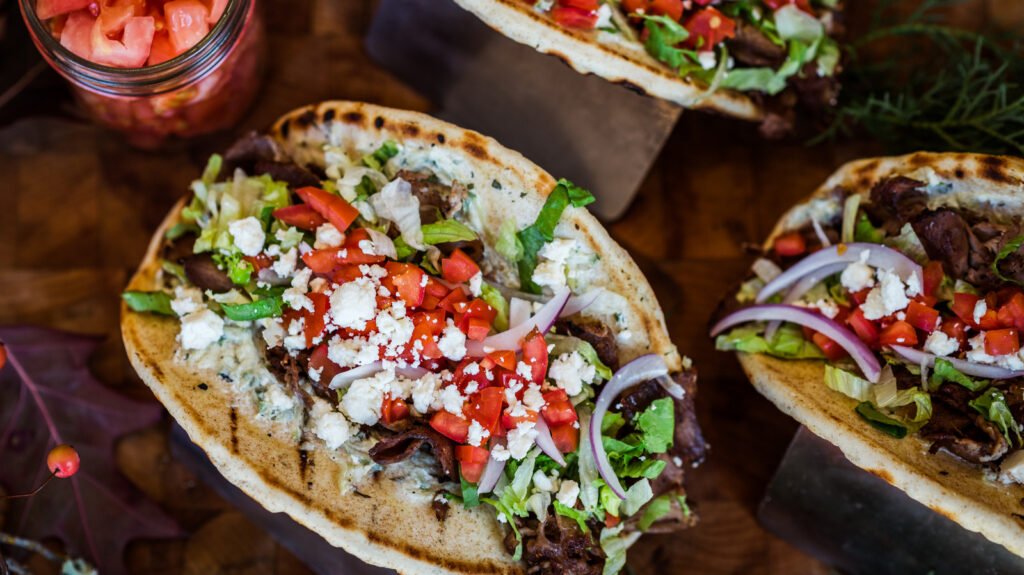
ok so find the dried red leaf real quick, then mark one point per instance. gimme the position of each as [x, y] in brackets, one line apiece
[48, 397]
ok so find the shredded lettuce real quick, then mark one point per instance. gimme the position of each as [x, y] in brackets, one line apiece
[542, 230]
[266, 307]
[238, 269]
[768, 80]
[657, 423]
[496, 300]
[580, 517]
[992, 405]
[612, 423]
[944, 371]
[1010, 248]
[850, 209]
[909, 244]
[865, 231]
[508, 245]
[795, 24]
[470, 495]
[637, 496]
[439, 232]
[148, 301]
[788, 342]
[615, 544]
[881, 421]
[397, 203]
[848, 384]
[216, 205]
[176, 270]
[658, 507]
[180, 229]
[289, 237]
[828, 57]
[378, 158]
[589, 476]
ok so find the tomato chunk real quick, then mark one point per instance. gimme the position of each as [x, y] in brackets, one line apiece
[1012, 312]
[302, 216]
[922, 317]
[865, 329]
[472, 461]
[707, 29]
[1001, 341]
[505, 359]
[955, 329]
[131, 51]
[574, 17]
[535, 354]
[558, 409]
[832, 350]
[566, 437]
[46, 9]
[671, 8]
[318, 360]
[899, 333]
[77, 33]
[408, 280]
[186, 23]
[451, 426]
[484, 407]
[933, 276]
[791, 244]
[393, 410]
[459, 267]
[335, 209]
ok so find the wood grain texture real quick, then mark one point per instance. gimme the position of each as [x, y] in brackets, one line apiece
[79, 207]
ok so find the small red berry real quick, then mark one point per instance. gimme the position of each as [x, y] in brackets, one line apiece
[63, 461]
[3, 355]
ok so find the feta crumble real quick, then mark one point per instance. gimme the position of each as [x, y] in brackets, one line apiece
[453, 342]
[940, 344]
[568, 493]
[328, 236]
[554, 256]
[570, 371]
[477, 434]
[886, 298]
[201, 328]
[248, 235]
[859, 275]
[354, 303]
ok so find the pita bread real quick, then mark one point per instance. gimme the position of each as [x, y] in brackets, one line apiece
[385, 522]
[608, 55]
[988, 185]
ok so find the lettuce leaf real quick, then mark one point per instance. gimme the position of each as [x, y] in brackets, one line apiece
[580, 517]
[508, 244]
[439, 232]
[657, 423]
[376, 160]
[542, 230]
[944, 371]
[658, 507]
[615, 544]
[881, 421]
[1011, 247]
[637, 496]
[992, 405]
[496, 299]
[149, 301]
[266, 307]
[788, 342]
[848, 384]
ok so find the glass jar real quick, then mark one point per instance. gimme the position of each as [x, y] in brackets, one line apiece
[206, 88]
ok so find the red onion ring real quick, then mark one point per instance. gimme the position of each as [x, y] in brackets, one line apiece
[857, 349]
[919, 357]
[812, 279]
[641, 369]
[576, 304]
[519, 311]
[672, 388]
[512, 338]
[546, 443]
[492, 472]
[820, 233]
[345, 378]
[879, 256]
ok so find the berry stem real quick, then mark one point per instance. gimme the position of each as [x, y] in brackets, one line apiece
[31, 493]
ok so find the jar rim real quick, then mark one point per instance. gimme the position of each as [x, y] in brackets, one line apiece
[195, 62]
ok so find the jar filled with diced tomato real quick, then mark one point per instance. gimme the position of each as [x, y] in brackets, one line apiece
[154, 69]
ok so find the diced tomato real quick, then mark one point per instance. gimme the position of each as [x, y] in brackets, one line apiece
[804, 5]
[933, 276]
[77, 33]
[458, 268]
[832, 350]
[922, 317]
[318, 360]
[465, 375]
[46, 9]
[671, 8]
[566, 437]
[428, 349]
[472, 461]
[393, 410]
[1011, 314]
[558, 409]
[216, 10]
[344, 274]
[535, 354]
[114, 15]
[161, 50]
[865, 329]
[963, 306]
[434, 320]
[314, 325]
[302, 216]
[477, 315]
[335, 209]
[131, 51]
[451, 426]
[581, 4]
[791, 244]
[484, 407]
[408, 282]
[321, 261]
[503, 358]
[898, 333]
[708, 28]
[574, 17]
[186, 23]
[1001, 341]
[955, 329]
[510, 422]
[455, 297]
[861, 296]
[478, 329]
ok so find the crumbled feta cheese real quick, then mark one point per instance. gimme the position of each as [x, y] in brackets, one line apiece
[1011, 470]
[500, 453]
[858, 275]
[914, 286]
[328, 236]
[552, 267]
[295, 296]
[275, 401]
[394, 329]
[453, 342]
[707, 59]
[314, 373]
[886, 298]
[296, 338]
[980, 309]
[568, 493]
[425, 396]
[329, 425]
[201, 328]
[940, 344]
[521, 439]
[477, 434]
[351, 352]
[476, 284]
[273, 331]
[363, 399]
[604, 17]
[452, 400]
[543, 482]
[187, 300]
[827, 307]
[285, 266]
[570, 371]
[471, 368]
[354, 303]
[977, 354]
[533, 399]
[248, 235]
[524, 370]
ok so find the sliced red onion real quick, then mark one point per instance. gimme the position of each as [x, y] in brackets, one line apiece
[919, 357]
[511, 338]
[452, 286]
[492, 472]
[345, 378]
[382, 244]
[812, 279]
[576, 304]
[822, 237]
[671, 387]
[546, 443]
[412, 372]
[641, 369]
[857, 349]
[519, 311]
[267, 276]
[879, 256]
[765, 269]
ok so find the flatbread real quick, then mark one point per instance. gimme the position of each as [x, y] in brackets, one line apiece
[988, 185]
[380, 524]
[608, 55]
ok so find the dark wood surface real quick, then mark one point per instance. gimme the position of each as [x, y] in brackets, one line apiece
[79, 207]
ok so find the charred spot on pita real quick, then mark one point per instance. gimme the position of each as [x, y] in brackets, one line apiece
[329, 115]
[356, 118]
[378, 122]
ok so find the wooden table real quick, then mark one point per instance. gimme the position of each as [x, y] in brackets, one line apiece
[79, 207]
